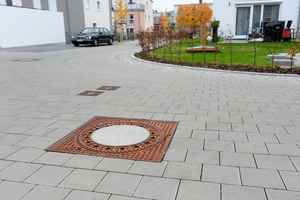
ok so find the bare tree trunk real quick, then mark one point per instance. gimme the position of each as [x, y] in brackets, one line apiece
[254, 54]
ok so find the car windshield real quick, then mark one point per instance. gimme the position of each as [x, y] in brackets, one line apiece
[90, 30]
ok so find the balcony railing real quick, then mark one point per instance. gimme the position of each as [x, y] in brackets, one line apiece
[136, 7]
[140, 7]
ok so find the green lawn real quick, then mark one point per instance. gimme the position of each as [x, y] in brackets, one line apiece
[242, 53]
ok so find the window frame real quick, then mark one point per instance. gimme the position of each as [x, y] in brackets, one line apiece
[87, 4]
[131, 20]
[98, 5]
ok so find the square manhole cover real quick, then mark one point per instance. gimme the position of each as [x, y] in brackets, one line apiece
[90, 93]
[109, 88]
[133, 139]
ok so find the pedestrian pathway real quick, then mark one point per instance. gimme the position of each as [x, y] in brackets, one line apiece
[238, 135]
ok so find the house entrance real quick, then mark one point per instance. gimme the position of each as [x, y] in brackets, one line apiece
[130, 33]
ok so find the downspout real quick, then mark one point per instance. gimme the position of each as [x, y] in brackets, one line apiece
[110, 14]
[68, 22]
[298, 24]
[140, 21]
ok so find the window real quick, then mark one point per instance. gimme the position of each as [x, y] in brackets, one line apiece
[87, 4]
[94, 24]
[249, 17]
[271, 12]
[242, 20]
[131, 19]
[256, 17]
[98, 5]
[52, 5]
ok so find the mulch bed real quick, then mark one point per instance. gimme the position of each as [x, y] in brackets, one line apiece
[245, 68]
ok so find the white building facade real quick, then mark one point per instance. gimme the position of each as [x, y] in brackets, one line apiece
[238, 17]
[20, 26]
[148, 12]
[97, 13]
[79, 14]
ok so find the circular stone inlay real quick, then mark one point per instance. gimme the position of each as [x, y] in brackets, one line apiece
[120, 135]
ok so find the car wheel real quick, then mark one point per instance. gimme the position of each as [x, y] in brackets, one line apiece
[110, 42]
[95, 43]
[76, 44]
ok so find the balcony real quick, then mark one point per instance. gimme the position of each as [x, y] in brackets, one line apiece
[138, 7]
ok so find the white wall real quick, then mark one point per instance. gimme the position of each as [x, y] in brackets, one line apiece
[290, 9]
[17, 2]
[148, 12]
[100, 17]
[22, 27]
[224, 11]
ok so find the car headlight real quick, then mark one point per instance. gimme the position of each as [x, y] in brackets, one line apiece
[74, 36]
[88, 37]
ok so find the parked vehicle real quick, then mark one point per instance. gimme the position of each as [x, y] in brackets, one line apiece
[93, 36]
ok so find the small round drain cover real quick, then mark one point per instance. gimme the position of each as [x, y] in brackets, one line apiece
[120, 135]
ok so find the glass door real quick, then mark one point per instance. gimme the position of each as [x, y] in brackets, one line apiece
[256, 17]
[242, 20]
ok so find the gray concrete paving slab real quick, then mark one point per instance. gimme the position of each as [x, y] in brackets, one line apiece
[234, 192]
[148, 168]
[261, 178]
[157, 188]
[237, 159]
[18, 171]
[14, 190]
[54, 158]
[231, 124]
[81, 179]
[79, 195]
[274, 162]
[49, 175]
[46, 193]
[186, 171]
[221, 174]
[192, 190]
[83, 161]
[26, 155]
[121, 184]
[114, 165]
[206, 157]
[291, 180]
[4, 164]
[281, 194]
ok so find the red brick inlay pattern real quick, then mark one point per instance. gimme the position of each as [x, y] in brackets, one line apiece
[152, 149]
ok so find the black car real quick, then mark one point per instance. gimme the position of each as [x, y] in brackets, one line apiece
[93, 36]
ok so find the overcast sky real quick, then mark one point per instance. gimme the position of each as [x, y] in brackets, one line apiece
[162, 5]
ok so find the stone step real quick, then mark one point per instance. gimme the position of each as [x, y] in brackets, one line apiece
[269, 57]
[284, 62]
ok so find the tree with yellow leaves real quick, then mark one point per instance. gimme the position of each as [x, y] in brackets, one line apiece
[121, 11]
[163, 20]
[120, 16]
[194, 15]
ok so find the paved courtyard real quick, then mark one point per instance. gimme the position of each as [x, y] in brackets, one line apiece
[238, 136]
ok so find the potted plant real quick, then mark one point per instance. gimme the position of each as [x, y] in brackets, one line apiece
[215, 25]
